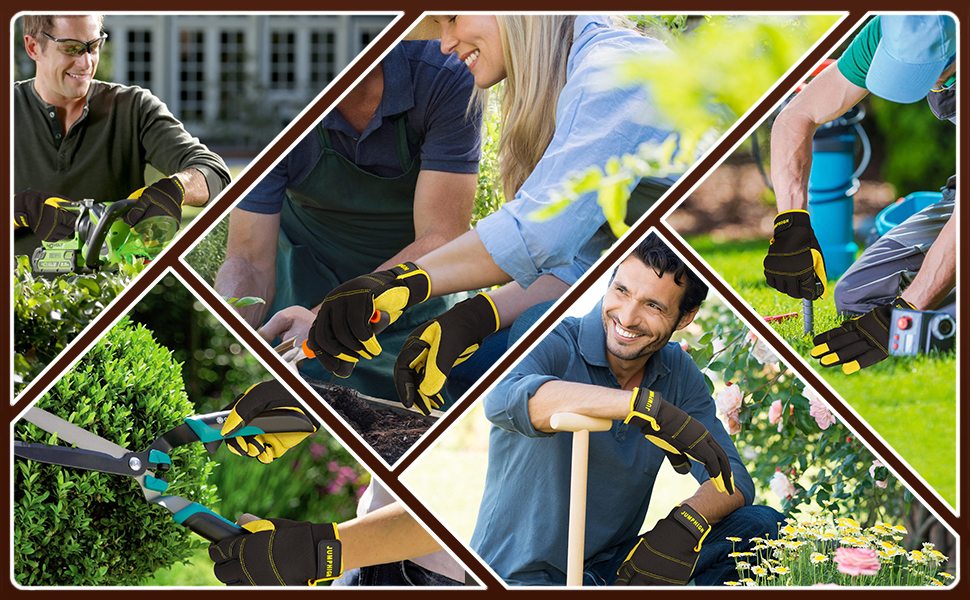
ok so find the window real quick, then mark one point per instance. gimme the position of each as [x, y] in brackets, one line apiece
[192, 75]
[139, 61]
[282, 60]
[322, 58]
[232, 73]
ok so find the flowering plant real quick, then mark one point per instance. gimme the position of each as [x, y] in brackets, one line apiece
[791, 441]
[842, 553]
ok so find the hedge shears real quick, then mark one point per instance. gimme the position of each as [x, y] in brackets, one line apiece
[94, 453]
[101, 238]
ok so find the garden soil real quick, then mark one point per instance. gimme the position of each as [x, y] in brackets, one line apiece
[388, 432]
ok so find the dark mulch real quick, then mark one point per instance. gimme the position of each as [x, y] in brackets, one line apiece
[388, 432]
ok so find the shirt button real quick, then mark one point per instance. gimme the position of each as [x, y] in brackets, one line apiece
[51, 114]
[58, 136]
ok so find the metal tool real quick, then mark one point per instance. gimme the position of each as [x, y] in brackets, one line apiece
[94, 453]
[580, 425]
[101, 238]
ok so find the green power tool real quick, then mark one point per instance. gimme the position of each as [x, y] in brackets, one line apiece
[102, 238]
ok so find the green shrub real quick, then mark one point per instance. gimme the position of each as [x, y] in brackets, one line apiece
[75, 527]
[209, 254]
[50, 313]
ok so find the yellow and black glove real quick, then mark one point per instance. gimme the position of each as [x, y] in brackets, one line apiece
[860, 342]
[268, 396]
[667, 554]
[279, 552]
[680, 436]
[49, 216]
[433, 349]
[794, 264]
[344, 330]
[161, 199]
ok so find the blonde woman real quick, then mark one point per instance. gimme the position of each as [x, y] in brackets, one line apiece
[560, 115]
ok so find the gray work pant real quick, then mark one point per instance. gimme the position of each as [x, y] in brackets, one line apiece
[887, 267]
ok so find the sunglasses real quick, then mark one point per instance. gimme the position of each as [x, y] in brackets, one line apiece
[75, 48]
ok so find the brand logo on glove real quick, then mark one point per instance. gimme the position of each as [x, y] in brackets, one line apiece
[780, 223]
[692, 520]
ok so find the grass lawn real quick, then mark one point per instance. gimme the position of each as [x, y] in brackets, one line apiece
[196, 572]
[891, 396]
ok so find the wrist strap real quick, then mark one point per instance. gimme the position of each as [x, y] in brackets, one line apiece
[644, 404]
[692, 521]
[330, 561]
[416, 280]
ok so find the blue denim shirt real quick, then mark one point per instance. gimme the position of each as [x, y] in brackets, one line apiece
[595, 121]
[522, 522]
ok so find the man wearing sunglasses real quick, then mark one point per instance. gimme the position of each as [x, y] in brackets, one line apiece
[76, 137]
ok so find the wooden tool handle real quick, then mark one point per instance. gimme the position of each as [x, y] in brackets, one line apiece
[567, 421]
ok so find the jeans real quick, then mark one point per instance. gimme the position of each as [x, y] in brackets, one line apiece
[394, 574]
[464, 376]
[714, 566]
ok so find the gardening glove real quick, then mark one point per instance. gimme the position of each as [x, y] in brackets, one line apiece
[161, 199]
[260, 398]
[344, 330]
[680, 436]
[279, 552]
[433, 349]
[667, 554]
[47, 215]
[860, 342]
[794, 264]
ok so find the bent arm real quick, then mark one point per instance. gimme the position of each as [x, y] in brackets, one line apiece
[512, 300]
[714, 505]
[825, 98]
[250, 266]
[196, 187]
[580, 398]
[388, 534]
[442, 211]
[938, 275]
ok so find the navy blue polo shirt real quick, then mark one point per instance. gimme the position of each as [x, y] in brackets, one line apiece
[429, 88]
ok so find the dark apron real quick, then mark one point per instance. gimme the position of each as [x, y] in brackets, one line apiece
[341, 222]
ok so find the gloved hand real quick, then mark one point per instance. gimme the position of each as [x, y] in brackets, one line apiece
[343, 331]
[430, 352]
[667, 554]
[279, 552]
[45, 214]
[262, 397]
[794, 264]
[161, 199]
[860, 342]
[680, 436]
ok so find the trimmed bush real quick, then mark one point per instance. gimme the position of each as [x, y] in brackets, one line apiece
[50, 313]
[76, 527]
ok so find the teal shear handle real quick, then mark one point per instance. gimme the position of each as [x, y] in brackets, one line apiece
[208, 428]
[195, 517]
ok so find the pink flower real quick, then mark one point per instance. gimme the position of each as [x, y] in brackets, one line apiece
[872, 473]
[729, 399]
[820, 410]
[774, 412]
[781, 486]
[731, 423]
[857, 561]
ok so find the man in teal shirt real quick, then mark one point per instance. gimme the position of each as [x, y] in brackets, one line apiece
[901, 58]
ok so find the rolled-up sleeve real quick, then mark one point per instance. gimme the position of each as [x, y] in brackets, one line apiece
[594, 123]
[507, 405]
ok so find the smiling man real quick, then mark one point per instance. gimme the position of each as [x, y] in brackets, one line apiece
[616, 362]
[77, 137]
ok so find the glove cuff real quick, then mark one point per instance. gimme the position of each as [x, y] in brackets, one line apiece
[486, 315]
[791, 218]
[644, 407]
[691, 520]
[330, 563]
[415, 279]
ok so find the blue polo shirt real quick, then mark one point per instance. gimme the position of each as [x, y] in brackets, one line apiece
[521, 531]
[429, 88]
[595, 121]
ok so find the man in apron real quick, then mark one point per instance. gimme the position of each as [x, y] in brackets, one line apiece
[387, 176]
[901, 58]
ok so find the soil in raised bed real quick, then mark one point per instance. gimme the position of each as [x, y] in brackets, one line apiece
[388, 432]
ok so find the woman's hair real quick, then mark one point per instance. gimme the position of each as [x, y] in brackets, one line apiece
[536, 48]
